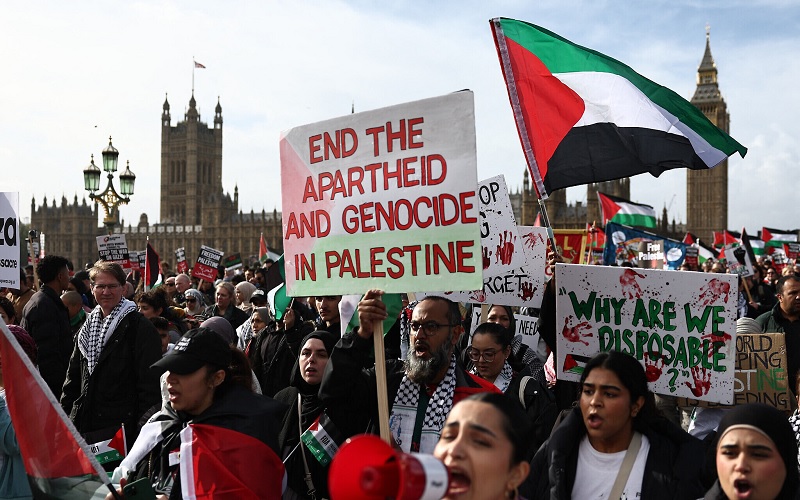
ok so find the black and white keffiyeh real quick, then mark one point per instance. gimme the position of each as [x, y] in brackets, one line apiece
[96, 330]
[529, 358]
[404, 411]
[503, 378]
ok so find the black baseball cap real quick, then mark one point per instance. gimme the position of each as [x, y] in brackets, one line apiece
[258, 296]
[194, 350]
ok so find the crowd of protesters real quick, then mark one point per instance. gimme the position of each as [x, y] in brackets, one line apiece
[483, 402]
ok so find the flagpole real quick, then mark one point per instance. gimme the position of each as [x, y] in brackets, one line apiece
[546, 221]
[146, 267]
[193, 66]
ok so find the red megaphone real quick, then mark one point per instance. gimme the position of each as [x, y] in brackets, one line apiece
[366, 468]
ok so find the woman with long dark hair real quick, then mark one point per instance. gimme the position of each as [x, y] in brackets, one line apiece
[615, 443]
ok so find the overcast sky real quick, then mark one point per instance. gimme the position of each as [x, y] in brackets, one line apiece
[76, 72]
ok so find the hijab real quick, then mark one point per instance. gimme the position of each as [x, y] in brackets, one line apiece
[311, 404]
[773, 424]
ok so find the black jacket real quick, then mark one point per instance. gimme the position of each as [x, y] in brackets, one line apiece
[233, 314]
[274, 355]
[122, 387]
[350, 391]
[46, 319]
[672, 470]
[236, 409]
[540, 406]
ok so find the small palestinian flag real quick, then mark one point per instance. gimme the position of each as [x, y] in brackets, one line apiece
[152, 268]
[626, 212]
[575, 364]
[584, 117]
[349, 304]
[322, 439]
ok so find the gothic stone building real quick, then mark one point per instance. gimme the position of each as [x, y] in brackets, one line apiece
[194, 209]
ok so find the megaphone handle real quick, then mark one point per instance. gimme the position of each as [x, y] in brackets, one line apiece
[380, 376]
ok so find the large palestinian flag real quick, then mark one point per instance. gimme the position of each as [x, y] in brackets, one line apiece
[626, 212]
[57, 460]
[584, 117]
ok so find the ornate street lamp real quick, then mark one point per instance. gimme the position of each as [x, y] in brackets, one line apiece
[109, 198]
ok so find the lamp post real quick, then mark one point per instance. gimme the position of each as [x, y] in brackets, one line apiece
[109, 198]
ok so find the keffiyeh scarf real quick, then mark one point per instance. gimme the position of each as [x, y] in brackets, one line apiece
[503, 379]
[96, 330]
[404, 411]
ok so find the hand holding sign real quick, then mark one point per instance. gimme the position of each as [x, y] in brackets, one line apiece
[371, 311]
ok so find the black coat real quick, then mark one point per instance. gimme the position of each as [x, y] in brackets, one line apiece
[46, 319]
[122, 386]
[672, 470]
[236, 409]
[274, 356]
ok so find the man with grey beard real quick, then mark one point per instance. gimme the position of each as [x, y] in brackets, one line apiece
[421, 390]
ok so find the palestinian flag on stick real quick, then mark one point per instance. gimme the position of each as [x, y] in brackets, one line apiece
[584, 117]
[724, 238]
[323, 439]
[262, 249]
[152, 268]
[57, 459]
[626, 212]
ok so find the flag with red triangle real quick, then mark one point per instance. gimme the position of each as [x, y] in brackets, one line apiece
[722, 238]
[262, 249]
[221, 463]
[152, 267]
[57, 459]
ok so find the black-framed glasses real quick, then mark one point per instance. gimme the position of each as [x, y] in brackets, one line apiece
[169, 284]
[487, 355]
[191, 300]
[429, 328]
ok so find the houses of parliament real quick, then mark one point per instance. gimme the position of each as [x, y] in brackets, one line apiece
[195, 211]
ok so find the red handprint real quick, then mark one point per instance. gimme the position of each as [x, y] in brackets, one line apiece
[715, 339]
[505, 250]
[718, 337]
[630, 288]
[477, 296]
[527, 290]
[487, 261]
[653, 366]
[532, 238]
[712, 291]
[702, 381]
[574, 333]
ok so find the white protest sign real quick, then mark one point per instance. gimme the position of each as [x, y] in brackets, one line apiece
[680, 325]
[383, 199]
[9, 240]
[527, 327]
[509, 278]
[114, 248]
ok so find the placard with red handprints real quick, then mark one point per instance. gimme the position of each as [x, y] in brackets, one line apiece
[681, 326]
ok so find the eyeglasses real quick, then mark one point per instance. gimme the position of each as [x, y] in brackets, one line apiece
[103, 288]
[429, 328]
[487, 355]
[170, 284]
[191, 300]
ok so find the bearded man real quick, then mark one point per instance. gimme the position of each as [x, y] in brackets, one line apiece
[421, 390]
